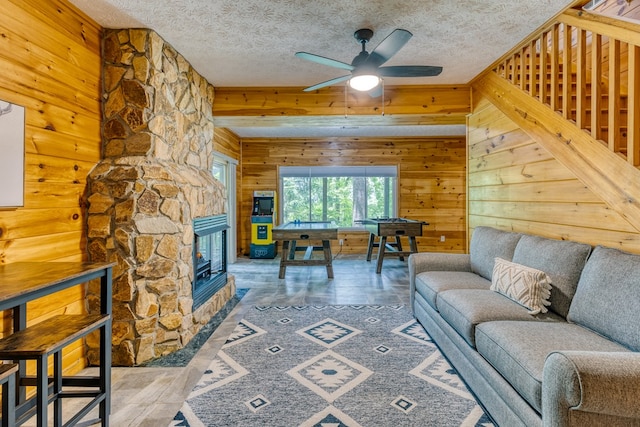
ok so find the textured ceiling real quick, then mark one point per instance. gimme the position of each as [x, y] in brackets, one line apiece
[252, 42]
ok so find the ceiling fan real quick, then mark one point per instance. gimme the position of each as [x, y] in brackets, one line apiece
[366, 70]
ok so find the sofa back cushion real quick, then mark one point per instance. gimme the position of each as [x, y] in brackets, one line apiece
[607, 300]
[563, 262]
[487, 244]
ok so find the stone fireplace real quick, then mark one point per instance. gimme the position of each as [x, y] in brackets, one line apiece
[148, 194]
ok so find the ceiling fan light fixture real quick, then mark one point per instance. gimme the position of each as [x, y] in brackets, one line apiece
[364, 82]
[367, 72]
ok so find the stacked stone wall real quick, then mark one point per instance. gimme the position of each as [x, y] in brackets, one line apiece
[154, 179]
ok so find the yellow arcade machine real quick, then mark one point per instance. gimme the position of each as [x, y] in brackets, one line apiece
[262, 220]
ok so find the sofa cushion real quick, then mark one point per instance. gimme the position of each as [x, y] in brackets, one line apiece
[488, 243]
[524, 285]
[563, 262]
[518, 350]
[608, 296]
[430, 283]
[464, 309]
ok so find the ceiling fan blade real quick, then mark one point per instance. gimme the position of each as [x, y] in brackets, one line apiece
[327, 83]
[389, 47]
[409, 71]
[324, 61]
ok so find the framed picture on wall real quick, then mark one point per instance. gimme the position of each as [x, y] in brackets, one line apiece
[11, 155]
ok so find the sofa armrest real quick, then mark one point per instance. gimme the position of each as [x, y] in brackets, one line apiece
[434, 261]
[591, 387]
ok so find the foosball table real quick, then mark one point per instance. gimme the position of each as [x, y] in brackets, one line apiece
[382, 228]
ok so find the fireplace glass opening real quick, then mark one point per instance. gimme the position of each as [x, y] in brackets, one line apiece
[209, 257]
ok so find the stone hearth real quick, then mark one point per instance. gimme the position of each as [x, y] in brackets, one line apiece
[154, 180]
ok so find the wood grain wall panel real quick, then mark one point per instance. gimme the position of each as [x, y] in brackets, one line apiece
[47, 247]
[515, 184]
[226, 142]
[489, 126]
[534, 192]
[56, 169]
[44, 90]
[431, 180]
[40, 222]
[58, 21]
[594, 236]
[50, 58]
[44, 195]
[588, 215]
[354, 242]
[505, 141]
[50, 143]
[513, 174]
[291, 102]
[39, 310]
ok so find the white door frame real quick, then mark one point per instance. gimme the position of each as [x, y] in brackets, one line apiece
[230, 186]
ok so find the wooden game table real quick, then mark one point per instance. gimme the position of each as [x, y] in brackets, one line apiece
[392, 227]
[292, 232]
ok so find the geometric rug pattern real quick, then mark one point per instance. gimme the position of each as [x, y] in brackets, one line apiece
[329, 366]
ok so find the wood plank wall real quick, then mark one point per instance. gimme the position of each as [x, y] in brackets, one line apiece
[290, 106]
[514, 184]
[50, 62]
[228, 143]
[431, 180]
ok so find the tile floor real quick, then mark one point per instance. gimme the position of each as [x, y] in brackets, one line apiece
[151, 396]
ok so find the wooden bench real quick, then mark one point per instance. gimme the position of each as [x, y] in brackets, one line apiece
[38, 342]
[8, 382]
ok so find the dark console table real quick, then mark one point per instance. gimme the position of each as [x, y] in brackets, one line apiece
[23, 282]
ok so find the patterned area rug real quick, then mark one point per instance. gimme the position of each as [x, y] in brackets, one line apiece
[330, 366]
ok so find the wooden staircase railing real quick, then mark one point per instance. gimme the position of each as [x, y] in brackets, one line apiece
[587, 68]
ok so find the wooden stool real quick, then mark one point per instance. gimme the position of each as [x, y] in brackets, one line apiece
[38, 342]
[8, 382]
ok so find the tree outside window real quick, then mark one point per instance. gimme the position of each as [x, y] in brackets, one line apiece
[344, 195]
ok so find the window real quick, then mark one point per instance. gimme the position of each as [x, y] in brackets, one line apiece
[342, 194]
[224, 170]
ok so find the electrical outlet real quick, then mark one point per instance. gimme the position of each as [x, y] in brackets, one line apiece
[442, 238]
[341, 242]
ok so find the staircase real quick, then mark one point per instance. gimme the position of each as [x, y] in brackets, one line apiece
[575, 88]
[589, 63]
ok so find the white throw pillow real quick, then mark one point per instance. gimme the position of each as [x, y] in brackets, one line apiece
[525, 285]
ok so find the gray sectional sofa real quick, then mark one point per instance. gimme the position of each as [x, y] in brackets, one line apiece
[577, 364]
